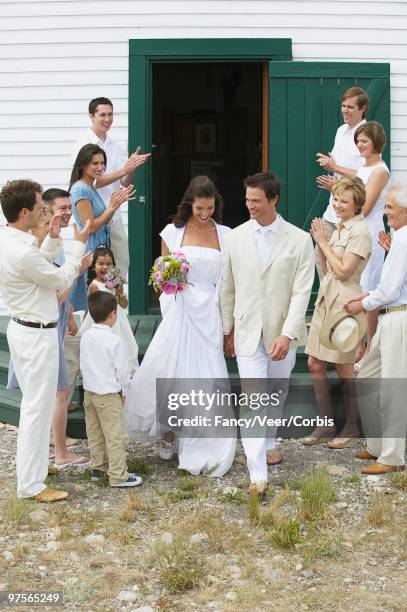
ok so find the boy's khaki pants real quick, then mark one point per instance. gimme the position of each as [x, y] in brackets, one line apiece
[107, 438]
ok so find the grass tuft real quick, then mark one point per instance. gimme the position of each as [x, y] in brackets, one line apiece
[399, 481]
[380, 511]
[15, 511]
[322, 546]
[180, 566]
[223, 536]
[183, 473]
[269, 518]
[353, 479]
[103, 481]
[134, 504]
[237, 497]
[179, 496]
[135, 466]
[190, 485]
[286, 534]
[253, 506]
[317, 491]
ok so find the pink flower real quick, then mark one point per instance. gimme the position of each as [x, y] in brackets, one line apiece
[184, 268]
[168, 289]
[178, 255]
[158, 276]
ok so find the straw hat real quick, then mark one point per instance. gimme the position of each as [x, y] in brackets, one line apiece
[342, 331]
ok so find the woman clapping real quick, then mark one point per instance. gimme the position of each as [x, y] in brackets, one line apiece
[344, 258]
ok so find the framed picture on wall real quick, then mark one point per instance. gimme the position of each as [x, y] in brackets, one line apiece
[205, 138]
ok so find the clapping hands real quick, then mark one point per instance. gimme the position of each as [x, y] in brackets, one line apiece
[326, 182]
[384, 240]
[86, 262]
[54, 226]
[319, 231]
[122, 195]
[83, 235]
[135, 160]
[326, 161]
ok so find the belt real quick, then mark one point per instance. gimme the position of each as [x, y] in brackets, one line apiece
[402, 308]
[37, 325]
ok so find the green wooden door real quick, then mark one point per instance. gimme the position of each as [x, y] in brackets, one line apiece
[305, 99]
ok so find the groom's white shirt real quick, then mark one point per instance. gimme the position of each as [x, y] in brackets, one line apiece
[267, 300]
[264, 236]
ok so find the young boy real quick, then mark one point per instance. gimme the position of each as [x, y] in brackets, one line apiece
[106, 379]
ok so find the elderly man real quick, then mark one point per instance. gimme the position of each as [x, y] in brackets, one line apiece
[29, 281]
[381, 402]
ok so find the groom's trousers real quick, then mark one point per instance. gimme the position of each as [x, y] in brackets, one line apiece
[260, 366]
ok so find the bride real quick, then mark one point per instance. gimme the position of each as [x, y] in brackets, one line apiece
[188, 343]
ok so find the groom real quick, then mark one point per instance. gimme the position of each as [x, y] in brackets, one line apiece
[266, 285]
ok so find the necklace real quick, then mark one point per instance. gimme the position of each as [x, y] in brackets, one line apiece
[210, 227]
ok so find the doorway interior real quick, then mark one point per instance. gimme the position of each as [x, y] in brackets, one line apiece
[206, 119]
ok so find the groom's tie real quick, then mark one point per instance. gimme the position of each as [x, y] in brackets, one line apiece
[264, 244]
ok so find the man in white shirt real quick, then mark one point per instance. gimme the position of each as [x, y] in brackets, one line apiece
[29, 281]
[58, 202]
[266, 285]
[117, 173]
[344, 159]
[382, 402]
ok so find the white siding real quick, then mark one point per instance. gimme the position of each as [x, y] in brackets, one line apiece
[57, 55]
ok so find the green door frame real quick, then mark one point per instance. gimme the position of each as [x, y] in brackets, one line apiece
[142, 55]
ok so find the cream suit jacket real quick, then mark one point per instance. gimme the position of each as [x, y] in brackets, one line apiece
[271, 301]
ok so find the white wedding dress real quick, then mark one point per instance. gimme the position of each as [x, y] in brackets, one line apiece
[188, 344]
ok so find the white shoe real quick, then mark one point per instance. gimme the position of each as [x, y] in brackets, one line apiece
[132, 481]
[167, 450]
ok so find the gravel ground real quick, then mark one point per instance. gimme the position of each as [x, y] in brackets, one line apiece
[195, 543]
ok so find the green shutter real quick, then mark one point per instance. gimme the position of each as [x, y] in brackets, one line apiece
[304, 116]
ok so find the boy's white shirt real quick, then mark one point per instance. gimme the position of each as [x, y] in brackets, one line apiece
[104, 361]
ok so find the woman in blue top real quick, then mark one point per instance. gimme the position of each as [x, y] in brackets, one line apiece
[87, 204]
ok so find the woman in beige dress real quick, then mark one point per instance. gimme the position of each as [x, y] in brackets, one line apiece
[344, 257]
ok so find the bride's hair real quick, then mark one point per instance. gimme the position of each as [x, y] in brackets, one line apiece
[199, 187]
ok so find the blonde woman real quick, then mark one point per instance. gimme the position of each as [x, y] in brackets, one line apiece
[343, 257]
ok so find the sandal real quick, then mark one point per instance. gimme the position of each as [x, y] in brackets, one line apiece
[167, 450]
[258, 488]
[320, 435]
[274, 456]
[80, 462]
[339, 442]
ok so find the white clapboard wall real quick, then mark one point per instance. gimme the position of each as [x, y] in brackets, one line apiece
[56, 56]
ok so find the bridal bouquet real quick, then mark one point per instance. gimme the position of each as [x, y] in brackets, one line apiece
[114, 278]
[169, 273]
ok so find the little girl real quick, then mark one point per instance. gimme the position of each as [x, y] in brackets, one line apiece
[103, 261]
